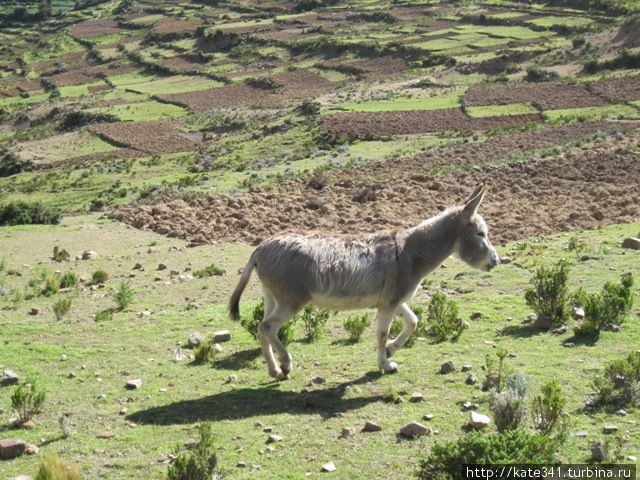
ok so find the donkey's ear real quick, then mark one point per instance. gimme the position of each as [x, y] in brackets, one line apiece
[473, 202]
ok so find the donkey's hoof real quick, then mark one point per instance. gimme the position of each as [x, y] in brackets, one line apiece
[283, 376]
[392, 367]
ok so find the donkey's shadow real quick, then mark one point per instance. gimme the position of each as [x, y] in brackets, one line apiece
[270, 399]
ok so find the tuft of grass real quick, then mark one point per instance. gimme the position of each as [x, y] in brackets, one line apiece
[123, 295]
[61, 308]
[68, 280]
[200, 463]
[98, 277]
[314, 320]
[204, 353]
[355, 325]
[52, 467]
[60, 255]
[27, 401]
[104, 316]
[209, 271]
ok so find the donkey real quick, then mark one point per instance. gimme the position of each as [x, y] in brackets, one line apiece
[345, 272]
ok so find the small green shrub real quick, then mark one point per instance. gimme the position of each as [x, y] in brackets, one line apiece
[104, 315]
[286, 332]
[123, 295]
[509, 447]
[496, 371]
[619, 383]
[46, 283]
[204, 353]
[61, 308]
[355, 326]
[509, 407]
[27, 401]
[209, 271]
[68, 280]
[610, 306]
[549, 294]
[60, 255]
[548, 409]
[250, 324]
[200, 463]
[537, 74]
[98, 277]
[314, 320]
[52, 467]
[22, 213]
[395, 328]
[442, 316]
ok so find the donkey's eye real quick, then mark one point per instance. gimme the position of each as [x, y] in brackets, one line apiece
[481, 234]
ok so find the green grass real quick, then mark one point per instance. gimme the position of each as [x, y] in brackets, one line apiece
[158, 85]
[176, 396]
[552, 21]
[499, 110]
[446, 100]
[620, 111]
[143, 111]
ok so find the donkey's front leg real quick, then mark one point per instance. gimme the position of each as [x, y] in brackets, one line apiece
[410, 324]
[383, 322]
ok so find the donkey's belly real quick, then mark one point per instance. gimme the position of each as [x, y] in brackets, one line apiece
[335, 302]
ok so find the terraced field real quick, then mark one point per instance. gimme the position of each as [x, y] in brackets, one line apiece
[153, 126]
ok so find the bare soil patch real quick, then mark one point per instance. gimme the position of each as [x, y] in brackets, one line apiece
[591, 185]
[16, 87]
[546, 96]
[161, 136]
[373, 68]
[623, 89]
[171, 26]
[93, 28]
[182, 63]
[358, 124]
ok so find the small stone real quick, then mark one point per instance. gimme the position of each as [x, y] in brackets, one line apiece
[317, 381]
[530, 318]
[195, 339]
[63, 358]
[580, 434]
[599, 452]
[329, 467]
[416, 397]
[476, 315]
[578, 313]
[610, 429]
[471, 379]
[134, 384]
[632, 458]
[29, 425]
[631, 242]
[9, 377]
[105, 435]
[101, 396]
[569, 344]
[22, 477]
[622, 412]
[477, 420]
[31, 449]
[34, 311]
[232, 378]
[221, 336]
[467, 367]
[447, 367]
[543, 321]
[470, 406]
[347, 432]
[162, 266]
[123, 411]
[560, 330]
[89, 255]
[428, 417]
[612, 327]
[371, 427]
[11, 448]
[144, 313]
[274, 439]
[71, 375]
[138, 266]
[241, 465]
[414, 430]
[98, 451]
[218, 348]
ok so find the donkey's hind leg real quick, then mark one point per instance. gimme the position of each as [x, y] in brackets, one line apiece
[383, 322]
[410, 323]
[268, 335]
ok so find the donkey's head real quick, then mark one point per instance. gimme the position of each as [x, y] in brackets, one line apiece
[473, 245]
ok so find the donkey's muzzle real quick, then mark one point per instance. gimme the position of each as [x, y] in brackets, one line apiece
[494, 261]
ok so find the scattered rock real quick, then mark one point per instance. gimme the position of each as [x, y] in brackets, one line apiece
[447, 367]
[471, 379]
[622, 412]
[476, 315]
[134, 384]
[632, 242]
[328, 467]
[221, 336]
[428, 417]
[580, 434]
[632, 458]
[11, 448]
[530, 318]
[34, 311]
[232, 378]
[569, 344]
[611, 327]
[599, 452]
[22, 477]
[31, 449]
[371, 427]
[63, 358]
[138, 266]
[578, 313]
[415, 429]
[144, 313]
[561, 329]
[9, 377]
[274, 439]
[317, 381]
[195, 339]
[610, 429]
[542, 321]
[218, 348]
[162, 266]
[89, 255]
[123, 411]
[477, 420]
[28, 424]
[105, 435]
[416, 397]
[347, 432]
[241, 465]
[467, 367]
[267, 429]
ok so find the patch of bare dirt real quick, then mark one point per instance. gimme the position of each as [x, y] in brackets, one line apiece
[623, 89]
[163, 136]
[359, 124]
[546, 96]
[170, 27]
[598, 183]
[183, 63]
[373, 68]
[93, 28]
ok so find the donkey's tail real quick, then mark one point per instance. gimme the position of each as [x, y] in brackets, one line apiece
[234, 301]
